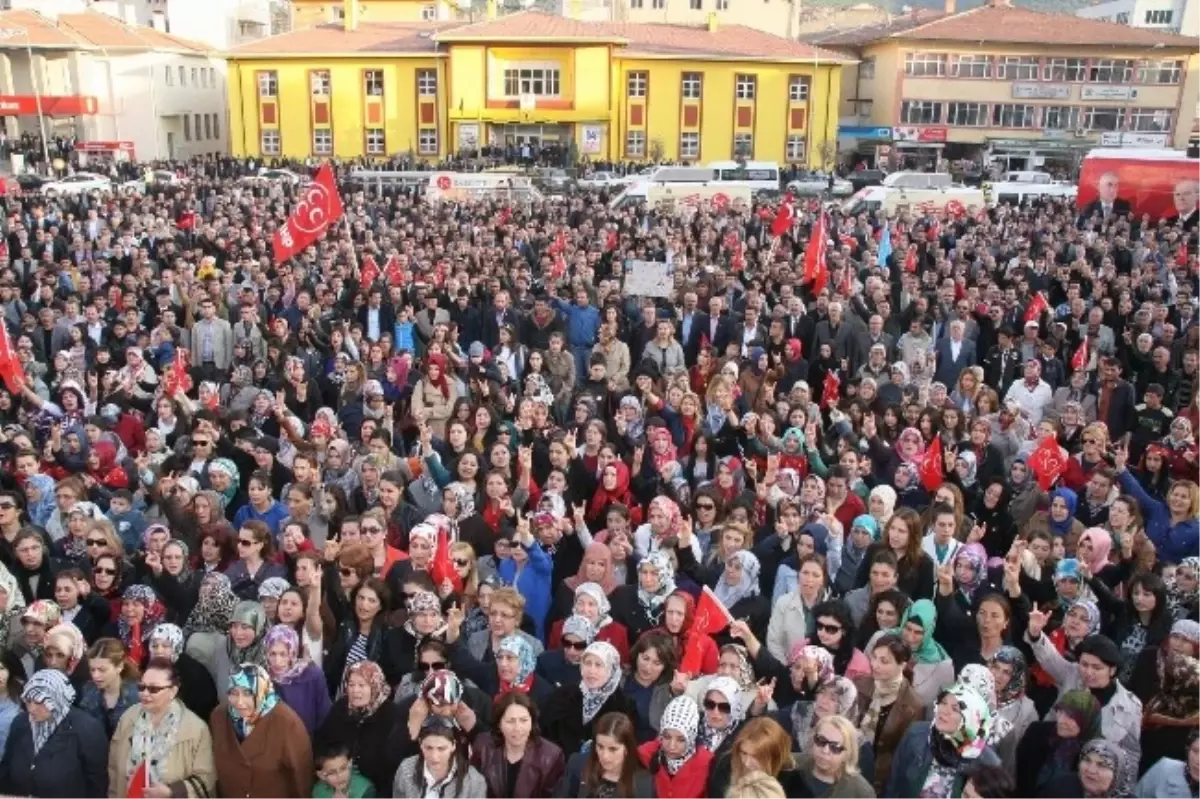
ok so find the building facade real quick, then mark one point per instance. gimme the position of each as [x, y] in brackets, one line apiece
[612, 91]
[307, 13]
[1014, 85]
[1172, 16]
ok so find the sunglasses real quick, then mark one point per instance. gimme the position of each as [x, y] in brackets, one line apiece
[153, 690]
[201, 443]
[578, 646]
[96, 542]
[833, 747]
[246, 542]
[1091, 441]
[105, 570]
[437, 665]
[705, 506]
[724, 707]
[370, 529]
[829, 628]
[462, 562]
[346, 572]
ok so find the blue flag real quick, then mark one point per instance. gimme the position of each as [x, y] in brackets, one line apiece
[885, 247]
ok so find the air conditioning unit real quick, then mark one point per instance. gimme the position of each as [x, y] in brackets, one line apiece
[1081, 133]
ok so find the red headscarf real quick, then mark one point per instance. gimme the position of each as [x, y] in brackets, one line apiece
[603, 497]
[438, 360]
[595, 553]
[689, 616]
[656, 434]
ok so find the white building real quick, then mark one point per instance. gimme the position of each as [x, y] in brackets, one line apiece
[127, 89]
[1172, 16]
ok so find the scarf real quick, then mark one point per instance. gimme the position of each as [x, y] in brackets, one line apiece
[214, 606]
[682, 715]
[369, 672]
[885, 694]
[1015, 660]
[522, 650]
[43, 507]
[976, 557]
[252, 615]
[603, 606]
[136, 636]
[745, 669]
[980, 680]
[171, 635]
[710, 737]
[923, 614]
[51, 688]
[1069, 497]
[594, 698]
[598, 554]
[1117, 760]
[152, 745]
[605, 497]
[747, 587]
[656, 436]
[255, 681]
[804, 714]
[1179, 681]
[714, 417]
[286, 637]
[1182, 602]
[652, 603]
[229, 469]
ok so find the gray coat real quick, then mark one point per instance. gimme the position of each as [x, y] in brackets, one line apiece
[407, 784]
[222, 342]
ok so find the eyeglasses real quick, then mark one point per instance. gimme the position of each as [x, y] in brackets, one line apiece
[7, 506]
[104, 570]
[833, 747]
[705, 506]
[201, 443]
[829, 628]
[437, 665]
[724, 707]
[462, 563]
[346, 572]
[370, 529]
[578, 646]
[153, 690]
[246, 542]
[96, 542]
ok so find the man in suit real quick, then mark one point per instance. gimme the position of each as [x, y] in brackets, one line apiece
[750, 333]
[1107, 203]
[1187, 204]
[376, 317]
[212, 343]
[1115, 402]
[710, 327]
[954, 353]
[49, 336]
[497, 317]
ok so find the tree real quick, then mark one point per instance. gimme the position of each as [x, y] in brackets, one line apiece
[658, 150]
[827, 155]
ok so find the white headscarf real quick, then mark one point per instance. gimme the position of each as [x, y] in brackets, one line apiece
[748, 587]
[727, 687]
[593, 700]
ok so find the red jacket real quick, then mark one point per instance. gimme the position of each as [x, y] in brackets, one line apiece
[690, 781]
[614, 633]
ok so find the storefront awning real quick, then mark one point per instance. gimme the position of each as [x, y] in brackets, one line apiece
[73, 105]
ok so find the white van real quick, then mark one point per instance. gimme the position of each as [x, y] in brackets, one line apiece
[457, 186]
[918, 180]
[761, 177]
[681, 195]
[1015, 187]
[955, 200]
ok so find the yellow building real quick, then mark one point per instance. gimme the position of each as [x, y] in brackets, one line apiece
[432, 88]
[1024, 87]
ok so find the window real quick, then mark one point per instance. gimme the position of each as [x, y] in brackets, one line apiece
[320, 81]
[635, 144]
[170, 76]
[1159, 16]
[1059, 117]
[1122, 18]
[196, 125]
[1012, 115]
[376, 142]
[216, 126]
[743, 145]
[696, 5]
[967, 115]
[212, 77]
[635, 3]
[1071, 70]
[971, 66]
[268, 84]
[798, 89]
[373, 82]
[203, 77]
[182, 76]
[743, 88]
[208, 126]
[689, 145]
[1111, 70]
[866, 70]
[1150, 120]
[270, 142]
[541, 81]
[195, 77]
[1017, 67]
[637, 84]
[427, 82]
[322, 141]
[864, 108]
[920, 112]
[1102, 119]
[427, 141]
[1161, 72]
[428, 12]
[722, 5]
[691, 85]
[658, 5]
[187, 127]
[926, 65]
[795, 148]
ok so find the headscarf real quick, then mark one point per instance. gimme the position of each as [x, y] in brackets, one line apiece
[16, 600]
[745, 673]
[441, 384]
[71, 640]
[711, 738]
[913, 435]
[730, 595]
[522, 650]
[1067, 569]
[970, 739]
[464, 501]
[924, 614]
[43, 612]
[1182, 602]
[1118, 761]
[579, 627]
[595, 553]
[969, 458]
[1178, 695]
[230, 469]
[252, 615]
[980, 680]
[604, 607]
[594, 698]
[169, 634]
[1083, 708]
[682, 715]
[670, 510]
[867, 522]
[1068, 496]
[976, 556]
[214, 606]
[604, 496]
[253, 679]
[41, 510]
[273, 588]
[51, 688]
[823, 657]
[134, 637]
[652, 603]
[1015, 660]
[636, 426]
[1093, 614]
[657, 434]
[888, 495]
[283, 634]
[372, 674]
[1101, 545]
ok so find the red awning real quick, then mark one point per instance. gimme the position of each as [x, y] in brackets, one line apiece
[73, 105]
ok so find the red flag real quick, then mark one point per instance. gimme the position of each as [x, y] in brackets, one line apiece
[559, 268]
[611, 241]
[502, 218]
[369, 272]
[783, 217]
[1079, 360]
[558, 245]
[910, 259]
[738, 261]
[846, 287]
[137, 783]
[1034, 312]
[934, 231]
[442, 568]
[177, 377]
[815, 270]
[187, 220]
[1048, 462]
[318, 208]
[393, 272]
[849, 241]
[711, 617]
[1181, 255]
[11, 370]
[932, 471]
[830, 389]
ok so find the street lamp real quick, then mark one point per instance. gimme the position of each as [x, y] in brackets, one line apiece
[10, 33]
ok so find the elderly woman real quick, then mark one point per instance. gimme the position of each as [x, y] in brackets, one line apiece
[196, 688]
[640, 607]
[53, 748]
[560, 666]
[573, 708]
[362, 719]
[243, 642]
[591, 602]
[299, 681]
[722, 715]
[141, 611]
[933, 756]
[739, 591]
[260, 745]
[161, 743]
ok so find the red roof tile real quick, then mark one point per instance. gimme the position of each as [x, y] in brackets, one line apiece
[369, 37]
[88, 30]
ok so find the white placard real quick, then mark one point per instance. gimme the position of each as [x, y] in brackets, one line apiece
[648, 279]
[591, 139]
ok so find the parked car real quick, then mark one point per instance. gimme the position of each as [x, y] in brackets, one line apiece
[862, 178]
[28, 181]
[79, 183]
[550, 179]
[157, 179]
[816, 183]
[282, 176]
[601, 180]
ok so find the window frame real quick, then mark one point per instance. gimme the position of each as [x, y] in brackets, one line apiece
[424, 138]
[687, 137]
[270, 134]
[749, 140]
[745, 87]
[794, 138]
[369, 78]
[981, 113]
[322, 141]
[924, 59]
[804, 84]
[425, 79]
[688, 79]
[638, 150]
[1089, 113]
[518, 77]
[269, 80]
[1001, 119]
[936, 108]
[637, 83]
[972, 60]
[320, 83]
[1078, 66]
[1136, 116]
[372, 133]
[1018, 68]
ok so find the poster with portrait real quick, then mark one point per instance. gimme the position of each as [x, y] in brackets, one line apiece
[1162, 184]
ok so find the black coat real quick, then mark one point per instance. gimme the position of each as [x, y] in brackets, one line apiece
[196, 688]
[562, 717]
[369, 740]
[72, 762]
[401, 744]
[628, 611]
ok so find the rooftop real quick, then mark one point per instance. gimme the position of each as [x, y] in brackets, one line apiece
[392, 38]
[87, 30]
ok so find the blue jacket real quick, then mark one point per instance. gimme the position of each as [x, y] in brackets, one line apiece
[533, 583]
[273, 517]
[912, 759]
[1174, 542]
[582, 323]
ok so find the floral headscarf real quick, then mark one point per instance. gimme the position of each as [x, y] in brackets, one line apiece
[370, 672]
[683, 716]
[464, 501]
[822, 656]
[594, 699]
[71, 640]
[43, 507]
[652, 603]
[971, 738]
[669, 509]
[1182, 602]
[710, 737]
[747, 587]
[43, 612]
[911, 435]
[171, 635]
[1178, 696]
[285, 636]
[155, 611]
[230, 469]
[517, 646]
[273, 588]
[660, 435]
[745, 672]
[980, 680]
[1118, 761]
[976, 557]
[51, 688]
[253, 679]
[1093, 614]
[1015, 660]
[214, 606]
[603, 606]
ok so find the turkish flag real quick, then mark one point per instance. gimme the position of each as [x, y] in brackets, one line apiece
[830, 389]
[711, 617]
[783, 217]
[559, 269]
[558, 245]
[393, 272]
[738, 262]
[1181, 255]
[187, 221]
[910, 259]
[1079, 360]
[934, 232]
[849, 241]
[1048, 462]
[932, 471]
[442, 568]
[318, 208]
[815, 269]
[1039, 305]
[11, 370]
[369, 272]
[847, 285]
[138, 782]
[177, 377]
[611, 241]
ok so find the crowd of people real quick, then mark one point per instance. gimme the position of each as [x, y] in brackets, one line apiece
[484, 524]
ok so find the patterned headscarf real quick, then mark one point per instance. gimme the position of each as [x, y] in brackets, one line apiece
[1118, 761]
[1093, 614]
[745, 673]
[441, 688]
[1015, 660]
[169, 634]
[579, 627]
[1178, 696]
[273, 588]
[669, 509]
[976, 556]
[683, 716]
[370, 672]
[287, 637]
[603, 606]
[43, 507]
[594, 699]
[522, 650]
[730, 595]
[230, 469]
[1182, 602]
[214, 606]
[155, 611]
[972, 735]
[15, 599]
[822, 656]
[51, 688]
[70, 640]
[710, 737]
[43, 612]
[980, 680]
[464, 501]
[652, 603]
[253, 616]
[253, 679]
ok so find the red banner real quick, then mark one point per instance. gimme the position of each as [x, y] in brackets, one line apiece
[783, 217]
[11, 370]
[711, 617]
[1079, 360]
[73, 105]
[815, 270]
[318, 209]
[1048, 462]
[1036, 308]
